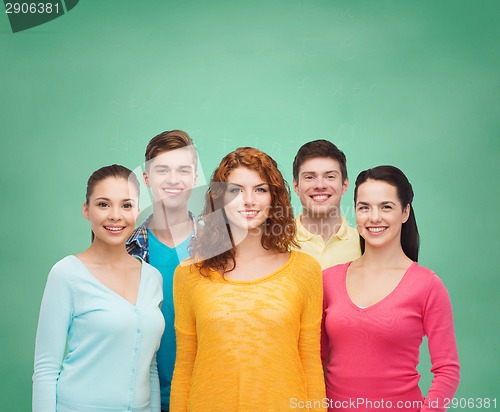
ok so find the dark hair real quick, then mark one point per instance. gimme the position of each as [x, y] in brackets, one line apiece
[168, 141]
[319, 148]
[410, 239]
[116, 171]
[213, 247]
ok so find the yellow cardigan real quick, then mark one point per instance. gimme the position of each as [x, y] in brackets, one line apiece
[249, 345]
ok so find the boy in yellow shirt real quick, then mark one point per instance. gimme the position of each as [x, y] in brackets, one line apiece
[320, 180]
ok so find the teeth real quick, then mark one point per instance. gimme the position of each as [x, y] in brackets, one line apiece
[114, 229]
[320, 197]
[376, 229]
[172, 191]
[249, 213]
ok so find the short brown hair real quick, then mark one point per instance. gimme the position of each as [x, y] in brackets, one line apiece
[319, 148]
[167, 141]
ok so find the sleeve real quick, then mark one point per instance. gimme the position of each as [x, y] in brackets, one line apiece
[438, 327]
[155, 401]
[56, 313]
[186, 340]
[325, 344]
[309, 339]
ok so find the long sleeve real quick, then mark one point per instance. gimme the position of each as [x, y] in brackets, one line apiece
[186, 341]
[54, 321]
[438, 327]
[309, 340]
[155, 402]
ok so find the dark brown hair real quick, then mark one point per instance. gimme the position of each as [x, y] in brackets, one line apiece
[319, 148]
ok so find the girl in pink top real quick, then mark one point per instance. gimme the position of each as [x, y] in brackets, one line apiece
[378, 308]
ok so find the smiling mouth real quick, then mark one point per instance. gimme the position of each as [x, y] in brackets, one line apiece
[171, 191]
[249, 213]
[320, 198]
[376, 229]
[114, 229]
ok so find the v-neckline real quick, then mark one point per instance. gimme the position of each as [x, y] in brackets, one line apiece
[381, 301]
[107, 288]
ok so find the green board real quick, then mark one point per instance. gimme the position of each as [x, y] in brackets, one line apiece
[413, 84]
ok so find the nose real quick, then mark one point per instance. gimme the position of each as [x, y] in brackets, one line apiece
[319, 183]
[172, 178]
[248, 197]
[114, 213]
[374, 215]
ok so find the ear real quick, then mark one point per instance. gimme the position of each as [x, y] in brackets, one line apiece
[145, 177]
[195, 180]
[345, 185]
[406, 213]
[85, 211]
[295, 186]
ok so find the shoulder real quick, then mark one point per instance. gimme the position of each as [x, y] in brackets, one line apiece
[150, 271]
[427, 283]
[304, 260]
[64, 268]
[336, 271]
[187, 272]
[423, 275]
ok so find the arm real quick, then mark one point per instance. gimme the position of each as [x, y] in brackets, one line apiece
[56, 314]
[186, 341]
[438, 327]
[325, 344]
[309, 339]
[155, 401]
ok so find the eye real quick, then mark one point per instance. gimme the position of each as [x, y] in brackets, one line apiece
[185, 172]
[308, 177]
[331, 177]
[102, 204]
[127, 205]
[161, 171]
[234, 190]
[362, 207]
[387, 207]
[261, 190]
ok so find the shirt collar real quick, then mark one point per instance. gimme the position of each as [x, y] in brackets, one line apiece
[303, 235]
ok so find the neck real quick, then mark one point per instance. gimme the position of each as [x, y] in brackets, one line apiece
[385, 257]
[248, 244]
[325, 225]
[170, 226]
[103, 253]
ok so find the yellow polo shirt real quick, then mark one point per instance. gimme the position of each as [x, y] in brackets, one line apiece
[342, 247]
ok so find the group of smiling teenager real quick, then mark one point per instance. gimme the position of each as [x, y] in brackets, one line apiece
[244, 308]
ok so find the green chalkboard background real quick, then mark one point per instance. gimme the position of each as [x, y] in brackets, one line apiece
[413, 84]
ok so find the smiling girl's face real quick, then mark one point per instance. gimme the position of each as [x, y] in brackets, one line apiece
[379, 214]
[247, 199]
[112, 210]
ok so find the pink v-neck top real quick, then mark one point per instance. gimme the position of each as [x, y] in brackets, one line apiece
[372, 353]
[110, 363]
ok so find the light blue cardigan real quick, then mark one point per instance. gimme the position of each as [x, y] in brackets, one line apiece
[110, 363]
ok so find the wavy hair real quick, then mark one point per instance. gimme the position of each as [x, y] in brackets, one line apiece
[213, 248]
[410, 239]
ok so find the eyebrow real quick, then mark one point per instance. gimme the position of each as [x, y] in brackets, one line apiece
[168, 166]
[107, 199]
[259, 185]
[385, 202]
[327, 172]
